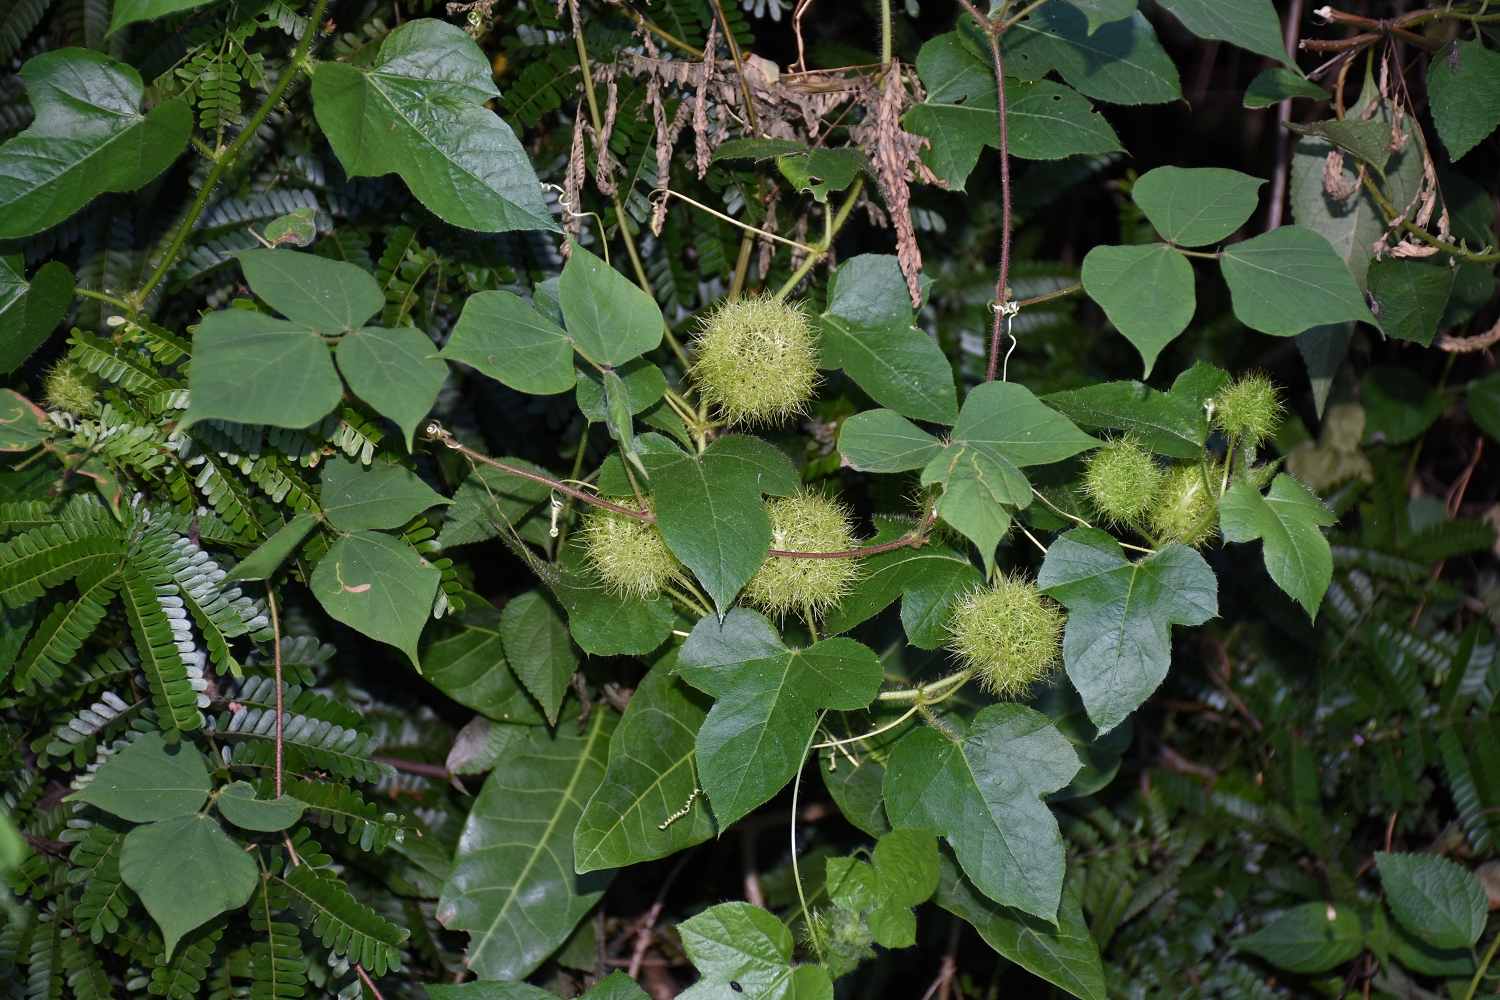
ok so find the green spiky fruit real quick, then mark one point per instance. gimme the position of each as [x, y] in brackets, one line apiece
[757, 360]
[1249, 408]
[629, 555]
[1184, 510]
[1122, 480]
[808, 522]
[70, 388]
[1009, 634]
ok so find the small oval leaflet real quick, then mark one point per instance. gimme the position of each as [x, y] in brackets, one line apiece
[238, 804]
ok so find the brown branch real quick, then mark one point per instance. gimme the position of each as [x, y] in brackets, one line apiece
[1220, 677]
[414, 767]
[368, 981]
[1470, 345]
[280, 714]
[1337, 44]
[1392, 27]
[1283, 115]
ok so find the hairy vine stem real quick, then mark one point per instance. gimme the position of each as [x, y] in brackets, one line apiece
[223, 158]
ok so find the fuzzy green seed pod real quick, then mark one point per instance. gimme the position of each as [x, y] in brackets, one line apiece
[630, 556]
[808, 522]
[1249, 408]
[1184, 510]
[71, 388]
[1122, 480]
[757, 360]
[1009, 633]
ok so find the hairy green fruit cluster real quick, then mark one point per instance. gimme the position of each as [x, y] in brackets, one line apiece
[629, 555]
[808, 522]
[1249, 408]
[70, 388]
[1184, 510]
[1122, 480]
[757, 360]
[1009, 634]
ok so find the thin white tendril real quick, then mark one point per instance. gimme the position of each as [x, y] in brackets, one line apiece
[562, 199]
[1009, 311]
[687, 808]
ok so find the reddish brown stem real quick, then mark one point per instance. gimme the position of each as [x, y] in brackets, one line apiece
[414, 767]
[365, 976]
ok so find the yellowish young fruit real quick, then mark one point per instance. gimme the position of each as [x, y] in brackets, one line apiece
[808, 522]
[757, 360]
[629, 555]
[69, 387]
[1249, 408]
[1122, 480]
[1009, 633]
[1185, 510]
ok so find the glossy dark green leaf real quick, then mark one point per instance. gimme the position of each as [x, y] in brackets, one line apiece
[768, 698]
[609, 318]
[513, 887]
[130, 11]
[538, 649]
[149, 780]
[1250, 24]
[328, 296]
[379, 586]
[1173, 423]
[268, 557]
[1196, 207]
[710, 511]
[1120, 62]
[644, 385]
[89, 136]
[1463, 86]
[1118, 641]
[984, 794]
[1438, 900]
[744, 945]
[1289, 519]
[870, 331]
[885, 441]
[1275, 85]
[355, 497]
[238, 804]
[393, 371]
[465, 659]
[1065, 955]
[503, 337]
[649, 805]
[1313, 937]
[30, 311]
[186, 871]
[1146, 291]
[1411, 294]
[252, 369]
[1290, 280]
[419, 111]
[1368, 140]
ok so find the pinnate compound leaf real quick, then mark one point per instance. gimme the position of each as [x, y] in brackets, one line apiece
[379, 586]
[885, 441]
[394, 372]
[1121, 62]
[1066, 955]
[1196, 207]
[1173, 423]
[1463, 86]
[869, 330]
[268, 557]
[385, 495]
[737, 943]
[1146, 291]
[538, 648]
[252, 369]
[984, 794]
[186, 871]
[1250, 24]
[768, 698]
[501, 336]
[344, 924]
[1290, 280]
[238, 804]
[610, 319]
[30, 311]
[513, 887]
[130, 11]
[1412, 294]
[328, 296]
[465, 659]
[1118, 642]
[1313, 937]
[1438, 900]
[419, 112]
[1276, 85]
[149, 780]
[637, 813]
[1288, 519]
[88, 137]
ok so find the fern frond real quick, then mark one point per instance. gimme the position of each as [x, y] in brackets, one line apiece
[24, 514]
[181, 976]
[222, 613]
[302, 657]
[1478, 825]
[84, 971]
[63, 632]
[343, 750]
[1449, 540]
[344, 809]
[342, 922]
[96, 860]
[17, 19]
[172, 694]
[278, 970]
[34, 562]
[125, 365]
[540, 88]
[44, 980]
[260, 692]
[15, 947]
[78, 737]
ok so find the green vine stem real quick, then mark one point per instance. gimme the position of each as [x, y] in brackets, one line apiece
[1484, 964]
[830, 230]
[1395, 217]
[222, 159]
[812, 928]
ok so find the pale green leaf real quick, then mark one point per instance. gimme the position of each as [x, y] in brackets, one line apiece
[252, 369]
[1196, 207]
[1290, 280]
[1288, 519]
[739, 945]
[379, 586]
[885, 441]
[149, 780]
[538, 649]
[501, 336]
[328, 296]
[383, 495]
[23, 424]
[394, 372]
[1145, 290]
[1463, 86]
[186, 871]
[1313, 937]
[1438, 900]
[238, 804]
[1250, 24]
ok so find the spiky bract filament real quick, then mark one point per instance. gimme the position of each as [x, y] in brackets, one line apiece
[1122, 480]
[757, 360]
[1009, 633]
[1185, 507]
[808, 522]
[71, 388]
[629, 555]
[1249, 408]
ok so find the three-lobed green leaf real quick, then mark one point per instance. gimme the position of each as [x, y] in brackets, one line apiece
[740, 945]
[1289, 519]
